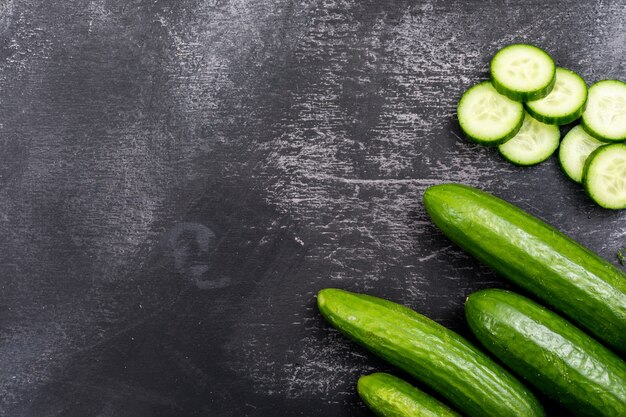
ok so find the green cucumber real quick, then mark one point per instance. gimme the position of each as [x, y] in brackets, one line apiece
[523, 72]
[534, 255]
[549, 352]
[438, 357]
[389, 396]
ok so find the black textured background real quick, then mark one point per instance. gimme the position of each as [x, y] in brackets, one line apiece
[178, 178]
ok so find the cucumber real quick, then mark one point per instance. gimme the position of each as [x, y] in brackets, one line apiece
[487, 117]
[565, 103]
[440, 358]
[389, 396]
[523, 72]
[549, 352]
[604, 176]
[605, 115]
[533, 144]
[574, 150]
[535, 256]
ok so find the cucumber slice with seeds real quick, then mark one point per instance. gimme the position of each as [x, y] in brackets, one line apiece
[534, 143]
[565, 103]
[604, 176]
[605, 116]
[487, 117]
[523, 72]
[574, 150]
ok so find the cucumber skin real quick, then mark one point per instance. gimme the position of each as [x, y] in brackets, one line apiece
[433, 354]
[523, 96]
[389, 396]
[518, 164]
[597, 135]
[549, 352]
[559, 121]
[535, 256]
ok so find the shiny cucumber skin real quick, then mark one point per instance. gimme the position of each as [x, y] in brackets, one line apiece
[390, 396]
[549, 352]
[438, 357]
[535, 256]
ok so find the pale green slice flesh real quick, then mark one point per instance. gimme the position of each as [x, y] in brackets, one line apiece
[575, 148]
[534, 143]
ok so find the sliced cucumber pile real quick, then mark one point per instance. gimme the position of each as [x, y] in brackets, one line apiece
[605, 116]
[565, 103]
[604, 176]
[534, 143]
[575, 147]
[523, 72]
[524, 76]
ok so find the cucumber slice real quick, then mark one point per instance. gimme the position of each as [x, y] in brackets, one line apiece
[523, 72]
[575, 147]
[565, 103]
[604, 176]
[487, 117]
[534, 143]
[605, 116]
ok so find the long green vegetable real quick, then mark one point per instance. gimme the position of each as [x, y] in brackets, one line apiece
[440, 358]
[389, 396]
[535, 256]
[549, 352]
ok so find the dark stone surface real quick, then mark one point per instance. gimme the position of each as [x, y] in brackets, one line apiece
[178, 178]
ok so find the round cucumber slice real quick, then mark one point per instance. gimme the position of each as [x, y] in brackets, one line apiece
[604, 176]
[605, 115]
[534, 143]
[565, 103]
[574, 150]
[487, 117]
[523, 72]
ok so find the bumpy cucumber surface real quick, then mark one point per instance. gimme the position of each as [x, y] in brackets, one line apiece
[534, 255]
[487, 117]
[523, 72]
[389, 396]
[440, 358]
[565, 103]
[549, 352]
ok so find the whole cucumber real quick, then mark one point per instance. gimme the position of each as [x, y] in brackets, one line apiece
[440, 358]
[389, 396]
[549, 352]
[535, 256]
